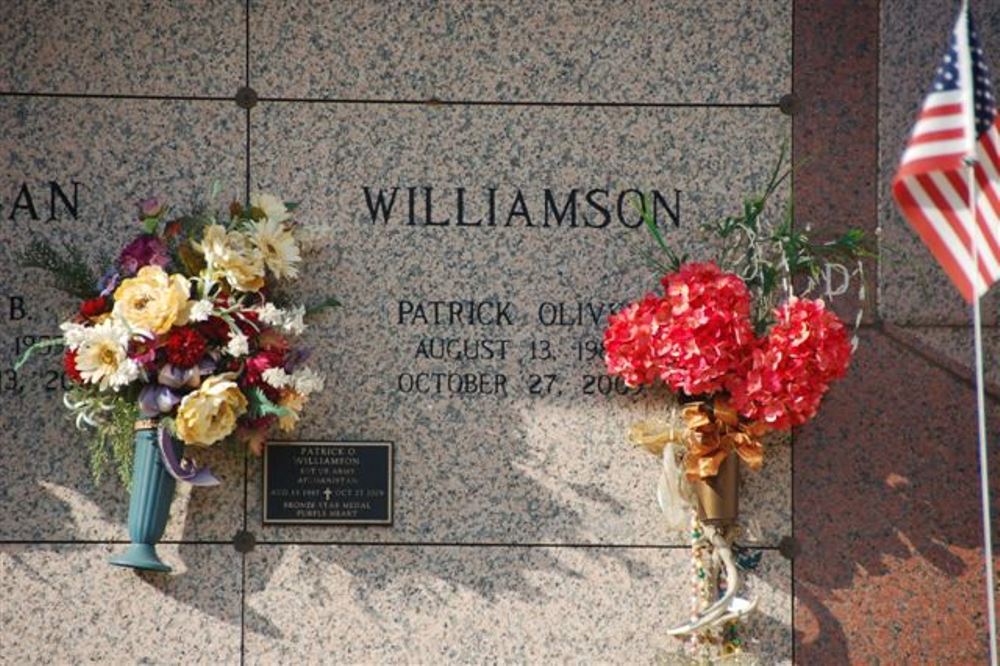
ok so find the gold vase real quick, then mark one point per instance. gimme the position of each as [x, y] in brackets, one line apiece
[719, 496]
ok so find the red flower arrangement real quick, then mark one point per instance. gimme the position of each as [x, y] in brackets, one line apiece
[791, 369]
[722, 341]
[698, 339]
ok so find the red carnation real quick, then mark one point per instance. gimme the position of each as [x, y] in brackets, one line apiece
[793, 366]
[69, 365]
[258, 363]
[185, 347]
[93, 307]
[215, 329]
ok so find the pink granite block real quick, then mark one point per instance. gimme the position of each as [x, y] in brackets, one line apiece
[70, 606]
[460, 605]
[886, 492]
[715, 51]
[111, 47]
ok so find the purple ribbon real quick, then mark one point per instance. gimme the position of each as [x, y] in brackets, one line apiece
[183, 469]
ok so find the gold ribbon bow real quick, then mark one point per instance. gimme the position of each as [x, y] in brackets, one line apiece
[713, 432]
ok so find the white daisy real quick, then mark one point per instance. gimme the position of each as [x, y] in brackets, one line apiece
[102, 357]
[273, 207]
[278, 248]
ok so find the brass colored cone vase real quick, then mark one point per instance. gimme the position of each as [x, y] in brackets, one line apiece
[718, 496]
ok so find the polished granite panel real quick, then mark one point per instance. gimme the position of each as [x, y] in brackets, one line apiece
[117, 152]
[887, 516]
[534, 465]
[913, 288]
[122, 48]
[694, 51]
[956, 345]
[72, 607]
[836, 86]
[363, 604]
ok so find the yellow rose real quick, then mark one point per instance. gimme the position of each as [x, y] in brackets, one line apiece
[152, 300]
[293, 402]
[209, 414]
[232, 255]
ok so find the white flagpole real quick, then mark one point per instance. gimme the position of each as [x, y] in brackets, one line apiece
[984, 473]
[967, 86]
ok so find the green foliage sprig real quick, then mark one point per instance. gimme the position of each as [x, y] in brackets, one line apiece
[109, 421]
[770, 256]
[70, 272]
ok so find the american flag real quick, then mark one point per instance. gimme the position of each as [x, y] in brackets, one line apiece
[958, 120]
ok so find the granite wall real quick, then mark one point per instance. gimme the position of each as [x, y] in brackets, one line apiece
[525, 527]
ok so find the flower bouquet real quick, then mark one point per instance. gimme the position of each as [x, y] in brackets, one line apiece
[182, 343]
[745, 357]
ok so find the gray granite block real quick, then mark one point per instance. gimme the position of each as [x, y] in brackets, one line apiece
[549, 467]
[72, 607]
[694, 51]
[117, 152]
[122, 48]
[459, 605]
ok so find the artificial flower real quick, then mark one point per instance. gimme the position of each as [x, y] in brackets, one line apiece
[94, 307]
[201, 310]
[708, 334]
[277, 378]
[73, 334]
[292, 402]
[271, 340]
[792, 367]
[307, 381]
[628, 340]
[278, 247]
[152, 300]
[185, 346]
[274, 209]
[232, 256]
[69, 366]
[294, 320]
[261, 363]
[215, 329]
[209, 414]
[155, 400]
[102, 358]
[150, 207]
[238, 345]
[145, 250]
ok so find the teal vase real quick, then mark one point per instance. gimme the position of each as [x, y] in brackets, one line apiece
[149, 507]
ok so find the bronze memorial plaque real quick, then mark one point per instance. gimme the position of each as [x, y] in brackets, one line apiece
[328, 483]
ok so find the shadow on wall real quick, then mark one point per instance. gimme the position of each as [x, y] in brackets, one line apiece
[886, 491]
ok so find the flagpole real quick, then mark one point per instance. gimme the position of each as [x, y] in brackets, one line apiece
[967, 86]
[984, 474]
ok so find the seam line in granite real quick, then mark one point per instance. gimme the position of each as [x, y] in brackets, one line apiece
[400, 102]
[515, 103]
[123, 96]
[953, 368]
[391, 544]
[793, 125]
[246, 459]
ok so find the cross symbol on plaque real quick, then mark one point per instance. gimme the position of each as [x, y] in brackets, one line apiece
[326, 494]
